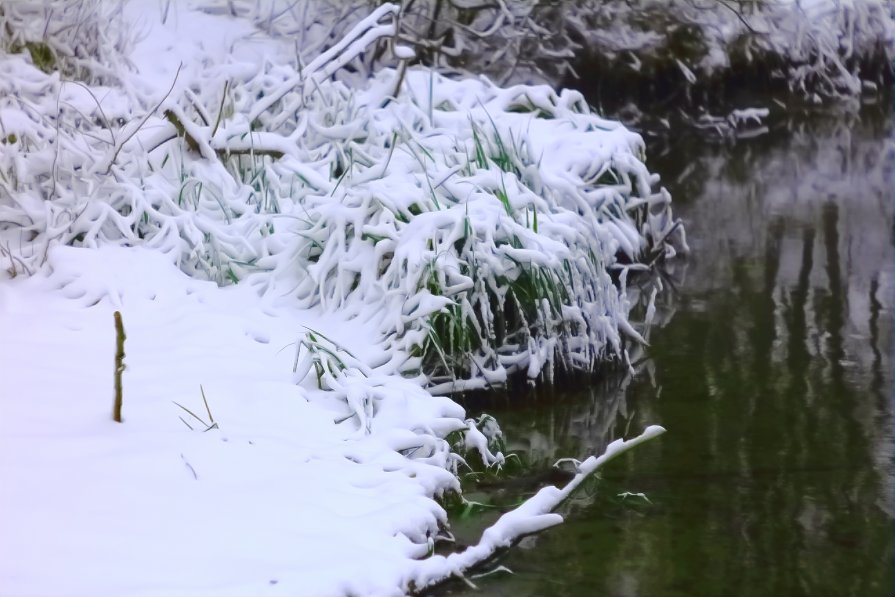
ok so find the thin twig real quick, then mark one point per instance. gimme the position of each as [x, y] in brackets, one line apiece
[189, 466]
[99, 106]
[217, 122]
[142, 122]
[207, 409]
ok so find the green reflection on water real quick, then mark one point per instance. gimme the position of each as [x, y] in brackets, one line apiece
[773, 377]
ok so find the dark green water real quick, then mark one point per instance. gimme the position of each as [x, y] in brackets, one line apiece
[772, 371]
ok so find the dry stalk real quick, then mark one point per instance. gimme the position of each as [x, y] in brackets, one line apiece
[119, 365]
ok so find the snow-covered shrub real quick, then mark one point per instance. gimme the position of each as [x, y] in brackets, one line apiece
[817, 49]
[519, 41]
[480, 224]
[84, 40]
[489, 252]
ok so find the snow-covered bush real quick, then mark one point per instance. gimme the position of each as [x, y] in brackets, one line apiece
[81, 39]
[505, 210]
[816, 48]
[479, 223]
[519, 41]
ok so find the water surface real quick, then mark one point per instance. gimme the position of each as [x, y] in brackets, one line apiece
[772, 374]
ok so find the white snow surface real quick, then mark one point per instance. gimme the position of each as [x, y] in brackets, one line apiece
[321, 473]
[278, 500]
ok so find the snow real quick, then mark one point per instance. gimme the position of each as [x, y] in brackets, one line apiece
[329, 449]
[532, 516]
[404, 52]
[279, 498]
[816, 47]
[150, 507]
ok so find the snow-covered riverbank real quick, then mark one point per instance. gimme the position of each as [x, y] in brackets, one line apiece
[279, 498]
[302, 268]
[698, 53]
[813, 50]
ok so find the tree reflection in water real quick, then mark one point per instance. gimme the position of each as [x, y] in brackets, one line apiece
[773, 377]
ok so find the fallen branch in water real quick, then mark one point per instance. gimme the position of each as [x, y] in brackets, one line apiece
[532, 516]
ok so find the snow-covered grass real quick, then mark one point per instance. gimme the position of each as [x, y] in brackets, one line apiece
[280, 493]
[482, 220]
[281, 497]
[82, 39]
[287, 494]
[309, 264]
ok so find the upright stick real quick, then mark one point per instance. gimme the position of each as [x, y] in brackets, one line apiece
[119, 365]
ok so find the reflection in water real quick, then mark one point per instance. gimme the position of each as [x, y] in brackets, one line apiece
[774, 379]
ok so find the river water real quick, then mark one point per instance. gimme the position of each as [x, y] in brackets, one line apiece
[772, 371]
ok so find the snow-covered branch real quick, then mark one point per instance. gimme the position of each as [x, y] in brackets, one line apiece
[532, 516]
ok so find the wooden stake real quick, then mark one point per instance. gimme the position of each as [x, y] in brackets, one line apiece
[119, 365]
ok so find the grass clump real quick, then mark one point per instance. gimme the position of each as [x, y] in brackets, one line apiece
[209, 424]
[482, 222]
[494, 258]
